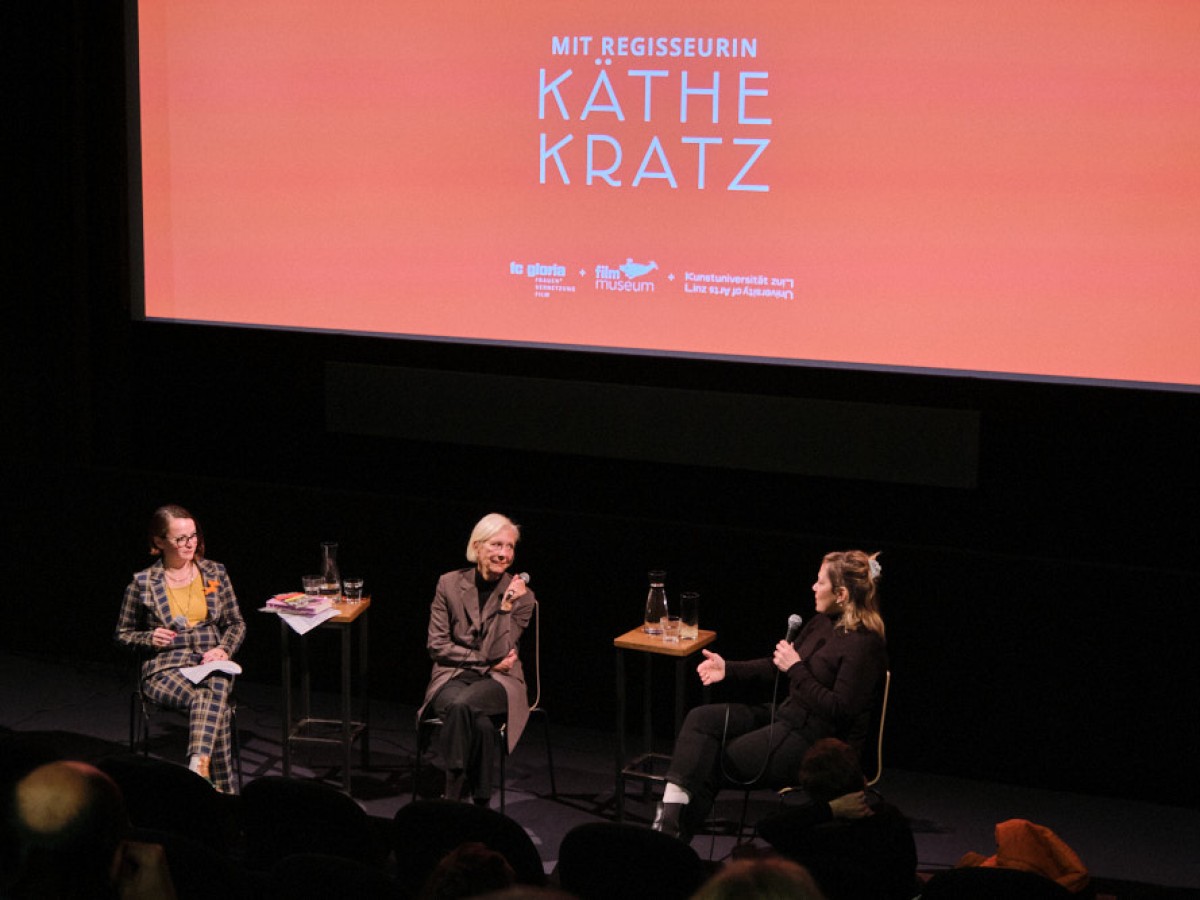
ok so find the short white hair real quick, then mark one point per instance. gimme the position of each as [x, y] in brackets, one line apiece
[486, 529]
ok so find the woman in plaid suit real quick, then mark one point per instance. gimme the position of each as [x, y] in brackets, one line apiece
[182, 611]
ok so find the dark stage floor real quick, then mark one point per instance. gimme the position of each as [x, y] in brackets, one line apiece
[1132, 847]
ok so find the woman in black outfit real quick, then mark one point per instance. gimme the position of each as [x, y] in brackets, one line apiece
[832, 673]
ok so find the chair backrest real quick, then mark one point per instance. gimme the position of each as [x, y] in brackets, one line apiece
[533, 658]
[198, 870]
[877, 733]
[167, 796]
[868, 745]
[282, 816]
[602, 860]
[320, 875]
[424, 831]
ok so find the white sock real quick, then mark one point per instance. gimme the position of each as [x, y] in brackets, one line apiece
[194, 763]
[675, 794]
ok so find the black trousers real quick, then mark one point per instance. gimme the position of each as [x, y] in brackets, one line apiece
[467, 739]
[733, 744]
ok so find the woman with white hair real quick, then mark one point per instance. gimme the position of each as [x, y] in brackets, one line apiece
[476, 621]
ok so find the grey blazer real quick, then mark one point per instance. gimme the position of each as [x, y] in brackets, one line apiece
[462, 637]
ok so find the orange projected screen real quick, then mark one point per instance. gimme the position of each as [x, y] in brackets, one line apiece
[988, 187]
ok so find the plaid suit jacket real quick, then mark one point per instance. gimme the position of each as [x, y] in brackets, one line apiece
[146, 607]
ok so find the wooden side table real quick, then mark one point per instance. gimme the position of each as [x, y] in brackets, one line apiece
[642, 766]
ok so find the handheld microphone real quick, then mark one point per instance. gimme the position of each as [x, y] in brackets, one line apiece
[794, 623]
[524, 576]
[506, 601]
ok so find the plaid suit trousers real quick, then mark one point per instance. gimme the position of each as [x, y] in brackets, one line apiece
[207, 705]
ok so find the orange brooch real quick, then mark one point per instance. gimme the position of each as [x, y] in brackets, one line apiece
[212, 587]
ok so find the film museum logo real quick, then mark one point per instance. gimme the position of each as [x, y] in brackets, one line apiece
[628, 278]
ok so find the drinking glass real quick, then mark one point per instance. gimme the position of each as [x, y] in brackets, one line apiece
[689, 615]
[352, 589]
[312, 585]
[670, 629]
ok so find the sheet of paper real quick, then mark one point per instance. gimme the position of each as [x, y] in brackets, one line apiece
[305, 624]
[196, 674]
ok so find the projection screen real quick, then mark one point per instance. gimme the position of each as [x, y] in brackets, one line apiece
[933, 186]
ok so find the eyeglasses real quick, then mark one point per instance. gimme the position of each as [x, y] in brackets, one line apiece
[184, 539]
[499, 545]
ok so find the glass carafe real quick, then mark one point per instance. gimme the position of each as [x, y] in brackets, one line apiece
[656, 603]
[331, 578]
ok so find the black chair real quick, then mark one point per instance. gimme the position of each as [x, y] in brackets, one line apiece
[424, 831]
[284, 816]
[875, 746]
[198, 871]
[143, 710]
[992, 884]
[603, 860]
[531, 662]
[870, 739]
[874, 737]
[166, 796]
[319, 876]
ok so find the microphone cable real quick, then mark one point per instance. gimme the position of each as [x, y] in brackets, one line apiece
[793, 632]
[729, 779]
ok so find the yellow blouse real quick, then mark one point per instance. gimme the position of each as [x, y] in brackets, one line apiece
[189, 601]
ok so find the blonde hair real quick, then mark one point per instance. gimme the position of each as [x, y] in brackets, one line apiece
[486, 529]
[858, 573]
[768, 877]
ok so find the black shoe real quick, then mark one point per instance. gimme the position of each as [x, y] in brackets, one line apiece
[669, 819]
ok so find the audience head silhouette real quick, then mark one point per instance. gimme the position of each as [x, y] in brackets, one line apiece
[830, 769]
[468, 870]
[760, 878]
[68, 819]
